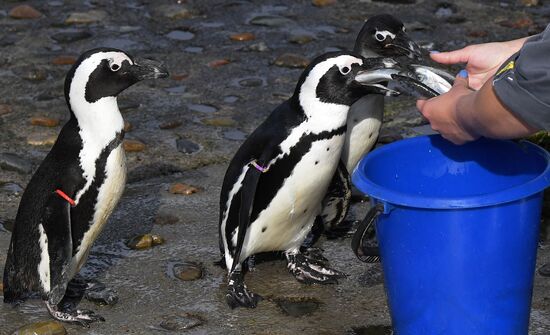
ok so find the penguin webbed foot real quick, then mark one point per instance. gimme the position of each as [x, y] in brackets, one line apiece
[82, 317]
[98, 293]
[237, 293]
[315, 254]
[311, 271]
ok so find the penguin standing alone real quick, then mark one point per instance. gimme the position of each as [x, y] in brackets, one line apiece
[75, 189]
[274, 185]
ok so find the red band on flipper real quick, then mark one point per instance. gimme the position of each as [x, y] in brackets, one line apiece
[66, 197]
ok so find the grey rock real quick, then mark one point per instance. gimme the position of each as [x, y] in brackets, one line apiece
[180, 35]
[234, 135]
[13, 162]
[271, 21]
[183, 321]
[187, 146]
[71, 36]
[11, 188]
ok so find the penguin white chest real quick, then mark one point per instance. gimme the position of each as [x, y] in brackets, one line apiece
[285, 223]
[108, 196]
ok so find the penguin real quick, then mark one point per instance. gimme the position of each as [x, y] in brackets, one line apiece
[381, 36]
[76, 187]
[273, 187]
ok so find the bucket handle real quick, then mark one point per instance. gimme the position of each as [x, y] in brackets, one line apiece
[367, 254]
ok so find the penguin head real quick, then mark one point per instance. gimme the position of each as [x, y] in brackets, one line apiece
[342, 78]
[104, 73]
[384, 35]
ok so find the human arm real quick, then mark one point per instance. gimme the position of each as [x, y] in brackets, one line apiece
[463, 115]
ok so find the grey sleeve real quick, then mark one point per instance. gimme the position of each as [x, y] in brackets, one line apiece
[523, 82]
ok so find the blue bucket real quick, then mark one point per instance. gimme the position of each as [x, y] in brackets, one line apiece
[458, 232]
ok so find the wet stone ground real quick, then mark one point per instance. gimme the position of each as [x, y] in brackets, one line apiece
[231, 62]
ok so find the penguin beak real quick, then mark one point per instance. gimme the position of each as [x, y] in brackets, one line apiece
[148, 69]
[403, 45]
[375, 73]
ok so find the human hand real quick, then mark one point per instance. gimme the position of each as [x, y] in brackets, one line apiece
[442, 114]
[482, 60]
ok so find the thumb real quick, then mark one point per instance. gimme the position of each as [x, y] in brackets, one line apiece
[461, 79]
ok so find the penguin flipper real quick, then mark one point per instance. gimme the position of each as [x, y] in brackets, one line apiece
[57, 226]
[248, 192]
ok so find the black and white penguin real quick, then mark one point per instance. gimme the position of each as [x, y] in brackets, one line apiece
[274, 185]
[75, 189]
[381, 36]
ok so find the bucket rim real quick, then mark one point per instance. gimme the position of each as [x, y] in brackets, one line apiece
[384, 194]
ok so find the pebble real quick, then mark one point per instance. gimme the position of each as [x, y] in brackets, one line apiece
[530, 3]
[257, 47]
[186, 146]
[5, 109]
[186, 271]
[128, 127]
[170, 124]
[91, 16]
[182, 321]
[133, 146]
[301, 38]
[478, 33]
[404, 2]
[11, 188]
[230, 99]
[179, 76]
[145, 241]
[243, 37]
[194, 50]
[24, 12]
[1, 287]
[323, 3]
[174, 12]
[202, 108]
[64, 60]
[520, 23]
[12, 162]
[251, 82]
[371, 330]
[298, 307]
[41, 139]
[184, 189]
[42, 328]
[8, 224]
[545, 270]
[180, 35]
[71, 36]
[44, 121]
[234, 135]
[176, 89]
[218, 62]
[166, 219]
[220, 122]
[291, 61]
[35, 74]
[271, 21]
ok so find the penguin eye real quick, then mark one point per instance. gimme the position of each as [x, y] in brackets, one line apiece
[115, 67]
[379, 37]
[345, 70]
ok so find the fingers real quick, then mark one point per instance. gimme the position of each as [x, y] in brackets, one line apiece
[452, 57]
[461, 79]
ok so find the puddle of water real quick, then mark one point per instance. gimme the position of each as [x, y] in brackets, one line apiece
[202, 108]
[180, 35]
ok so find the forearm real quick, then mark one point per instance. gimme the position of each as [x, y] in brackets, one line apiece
[481, 113]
